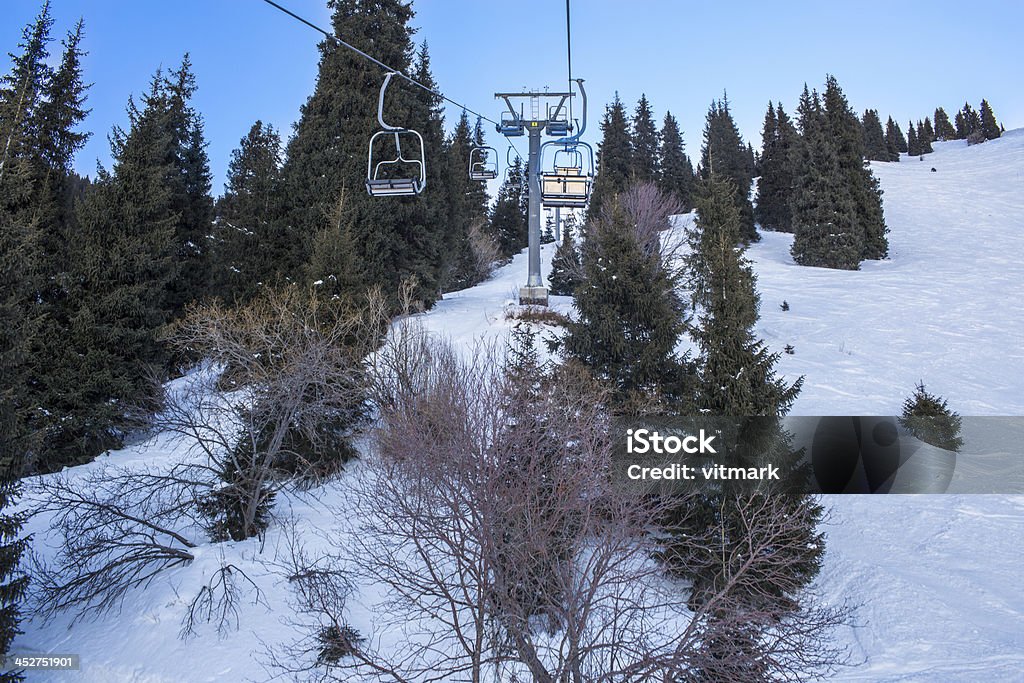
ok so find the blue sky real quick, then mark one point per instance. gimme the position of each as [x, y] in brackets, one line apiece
[255, 63]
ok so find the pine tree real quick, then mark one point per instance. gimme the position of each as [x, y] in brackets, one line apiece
[924, 138]
[614, 156]
[725, 154]
[776, 183]
[930, 419]
[675, 172]
[875, 148]
[894, 140]
[913, 148]
[824, 214]
[120, 287]
[630, 317]
[326, 157]
[944, 130]
[566, 267]
[466, 204]
[508, 222]
[645, 143]
[928, 133]
[967, 122]
[246, 241]
[988, 126]
[844, 128]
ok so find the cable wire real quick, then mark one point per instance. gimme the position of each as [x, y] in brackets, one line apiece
[397, 72]
[568, 51]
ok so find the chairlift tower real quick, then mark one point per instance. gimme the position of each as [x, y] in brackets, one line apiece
[552, 120]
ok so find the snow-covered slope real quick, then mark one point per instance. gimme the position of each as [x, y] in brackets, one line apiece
[936, 579]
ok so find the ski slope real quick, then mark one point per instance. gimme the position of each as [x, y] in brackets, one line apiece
[936, 580]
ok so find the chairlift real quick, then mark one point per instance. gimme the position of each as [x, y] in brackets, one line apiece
[483, 163]
[571, 179]
[390, 177]
[511, 125]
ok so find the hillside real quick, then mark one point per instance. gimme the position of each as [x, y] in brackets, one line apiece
[936, 579]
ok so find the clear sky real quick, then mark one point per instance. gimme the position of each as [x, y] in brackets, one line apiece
[252, 62]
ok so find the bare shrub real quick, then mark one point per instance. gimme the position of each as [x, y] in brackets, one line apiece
[217, 601]
[484, 249]
[536, 314]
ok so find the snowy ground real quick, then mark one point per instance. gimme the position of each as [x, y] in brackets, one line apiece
[937, 579]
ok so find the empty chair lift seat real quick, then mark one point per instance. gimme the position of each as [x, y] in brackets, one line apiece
[565, 187]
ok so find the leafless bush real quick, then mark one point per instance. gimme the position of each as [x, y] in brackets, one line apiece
[536, 314]
[297, 363]
[117, 529]
[217, 601]
[651, 210]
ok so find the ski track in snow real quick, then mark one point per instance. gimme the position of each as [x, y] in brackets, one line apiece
[936, 580]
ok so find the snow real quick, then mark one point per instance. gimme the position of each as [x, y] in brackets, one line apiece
[936, 580]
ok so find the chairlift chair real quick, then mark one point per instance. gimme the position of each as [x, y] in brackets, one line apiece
[381, 183]
[511, 125]
[569, 183]
[483, 163]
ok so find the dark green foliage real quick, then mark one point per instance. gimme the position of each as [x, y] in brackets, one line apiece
[466, 205]
[927, 133]
[508, 215]
[944, 130]
[614, 157]
[630, 317]
[875, 148]
[913, 148]
[989, 128]
[967, 122]
[675, 172]
[246, 239]
[724, 154]
[224, 507]
[775, 187]
[929, 419]
[924, 138]
[388, 241]
[844, 129]
[645, 143]
[894, 140]
[824, 213]
[736, 369]
[566, 267]
[337, 642]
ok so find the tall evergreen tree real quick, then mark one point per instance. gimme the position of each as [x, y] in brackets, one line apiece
[913, 148]
[824, 213]
[967, 122]
[924, 138]
[725, 154]
[246, 241]
[466, 204]
[566, 267]
[988, 126]
[894, 140]
[508, 221]
[675, 172]
[875, 148]
[630, 317]
[928, 131]
[614, 156]
[777, 173]
[844, 128]
[944, 130]
[645, 143]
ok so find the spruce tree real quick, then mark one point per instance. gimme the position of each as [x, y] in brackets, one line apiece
[844, 129]
[466, 204]
[614, 156]
[944, 130]
[246, 239]
[645, 143]
[930, 419]
[913, 148]
[630, 317]
[924, 138]
[675, 172]
[508, 221]
[725, 154]
[875, 148]
[776, 183]
[824, 214]
[989, 128]
[566, 267]
[894, 140]
[929, 133]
